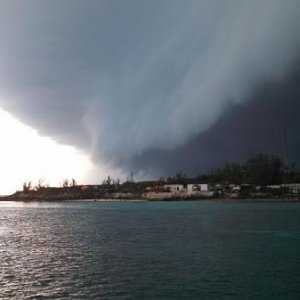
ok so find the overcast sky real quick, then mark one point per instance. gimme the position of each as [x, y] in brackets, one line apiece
[154, 86]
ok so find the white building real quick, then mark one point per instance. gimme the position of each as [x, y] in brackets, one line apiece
[174, 187]
[293, 188]
[274, 187]
[203, 187]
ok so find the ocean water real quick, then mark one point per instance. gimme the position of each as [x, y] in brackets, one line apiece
[158, 250]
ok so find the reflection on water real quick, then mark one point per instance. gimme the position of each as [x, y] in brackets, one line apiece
[178, 250]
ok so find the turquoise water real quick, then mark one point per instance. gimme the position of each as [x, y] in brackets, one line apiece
[159, 250]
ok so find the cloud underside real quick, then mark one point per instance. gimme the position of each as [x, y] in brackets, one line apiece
[153, 84]
[268, 123]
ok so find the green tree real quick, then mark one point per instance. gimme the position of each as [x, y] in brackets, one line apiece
[65, 183]
[74, 183]
[41, 184]
[108, 180]
[27, 186]
[233, 173]
[263, 169]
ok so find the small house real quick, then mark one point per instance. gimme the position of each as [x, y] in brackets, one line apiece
[201, 187]
[292, 188]
[174, 187]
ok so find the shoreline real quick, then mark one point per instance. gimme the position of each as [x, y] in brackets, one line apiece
[138, 200]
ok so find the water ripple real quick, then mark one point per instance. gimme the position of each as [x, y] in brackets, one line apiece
[149, 251]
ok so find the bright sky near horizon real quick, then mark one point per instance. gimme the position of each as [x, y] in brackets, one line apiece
[24, 156]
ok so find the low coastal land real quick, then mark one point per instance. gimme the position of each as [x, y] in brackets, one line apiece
[261, 178]
[144, 192]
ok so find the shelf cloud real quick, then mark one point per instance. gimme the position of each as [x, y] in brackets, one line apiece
[125, 79]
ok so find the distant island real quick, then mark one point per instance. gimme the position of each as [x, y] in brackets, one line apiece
[261, 177]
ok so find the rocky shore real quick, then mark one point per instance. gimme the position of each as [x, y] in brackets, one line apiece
[63, 194]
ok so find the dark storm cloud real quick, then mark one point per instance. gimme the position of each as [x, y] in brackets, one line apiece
[267, 123]
[120, 78]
